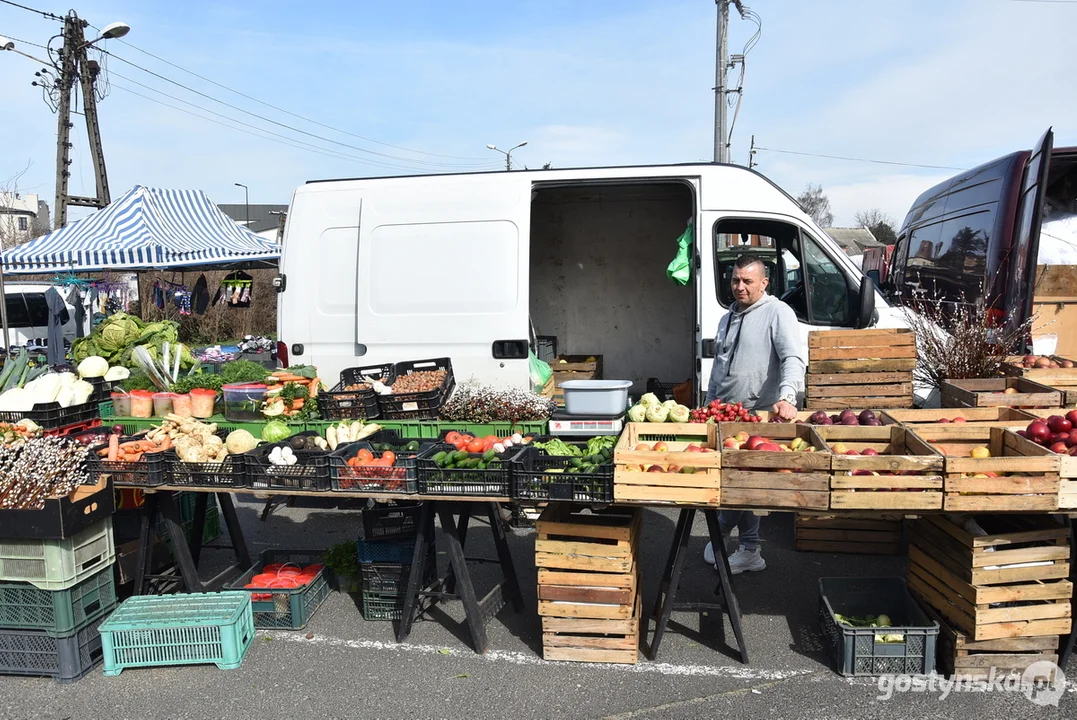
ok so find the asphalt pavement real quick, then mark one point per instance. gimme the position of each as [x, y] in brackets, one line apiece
[341, 666]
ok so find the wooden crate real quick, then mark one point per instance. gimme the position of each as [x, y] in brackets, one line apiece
[1020, 476]
[1026, 569]
[1067, 482]
[988, 392]
[958, 655]
[874, 534]
[1045, 376]
[997, 416]
[860, 368]
[593, 640]
[905, 475]
[574, 367]
[760, 479]
[633, 482]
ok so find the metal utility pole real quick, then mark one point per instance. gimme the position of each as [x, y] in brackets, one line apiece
[507, 153]
[721, 66]
[74, 64]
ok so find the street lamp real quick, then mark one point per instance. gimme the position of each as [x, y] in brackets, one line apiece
[246, 203]
[507, 154]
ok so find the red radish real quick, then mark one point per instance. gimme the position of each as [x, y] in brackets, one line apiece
[1059, 424]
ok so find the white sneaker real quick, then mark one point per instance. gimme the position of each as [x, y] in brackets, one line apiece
[744, 560]
[730, 547]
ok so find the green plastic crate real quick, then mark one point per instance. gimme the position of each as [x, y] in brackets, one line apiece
[381, 605]
[501, 429]
[59, 564]
[184, 629]
[133, 425]
[58, 612]
[285, 608]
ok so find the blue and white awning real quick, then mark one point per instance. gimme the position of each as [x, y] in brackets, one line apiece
[146, 228]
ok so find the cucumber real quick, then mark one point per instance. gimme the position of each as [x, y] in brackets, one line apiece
[460, 455]
[412, 446]
[489, 455]
[439, 458]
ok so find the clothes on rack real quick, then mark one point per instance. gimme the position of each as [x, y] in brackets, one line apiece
[235, 290]
[200, 295]
[57, 308]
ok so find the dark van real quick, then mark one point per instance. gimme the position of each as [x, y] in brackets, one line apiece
[977, 234]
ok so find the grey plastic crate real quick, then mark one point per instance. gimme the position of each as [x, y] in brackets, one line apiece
[854, 650]
[58, 564]
[33, 652]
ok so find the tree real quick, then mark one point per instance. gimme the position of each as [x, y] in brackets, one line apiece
[817, 204]
[881, 225]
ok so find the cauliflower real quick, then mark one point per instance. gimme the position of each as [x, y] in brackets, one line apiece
[657, 414]
[637, 413]
[679, 414]
[649, 399]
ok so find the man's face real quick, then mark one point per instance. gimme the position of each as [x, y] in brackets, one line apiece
[749, 284]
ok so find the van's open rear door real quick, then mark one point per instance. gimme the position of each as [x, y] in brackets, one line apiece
[1026, 236]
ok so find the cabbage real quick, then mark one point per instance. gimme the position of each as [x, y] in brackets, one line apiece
[657, 414]
[649, 399]
[117, 332]
[94, 366]
[637, 413]
[275, 431]
[679, 414]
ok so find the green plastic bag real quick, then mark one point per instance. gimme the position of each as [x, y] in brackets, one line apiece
[541, 372]
[680, 270]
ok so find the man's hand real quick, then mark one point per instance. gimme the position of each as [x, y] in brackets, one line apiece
[786, 411]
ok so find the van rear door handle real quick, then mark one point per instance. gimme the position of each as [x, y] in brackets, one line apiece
[510, 349]
[708, 348]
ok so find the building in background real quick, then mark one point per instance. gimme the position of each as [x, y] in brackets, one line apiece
[23, 216]
[265, 220]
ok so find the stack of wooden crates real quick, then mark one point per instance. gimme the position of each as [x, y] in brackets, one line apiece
[863, 534]
[574, 367]
[588, 583]
[860, 369]
[1001, 599]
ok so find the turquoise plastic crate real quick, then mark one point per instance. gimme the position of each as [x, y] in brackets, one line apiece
[58, 612]
[59, 564]
[185, 629]
[285, 608]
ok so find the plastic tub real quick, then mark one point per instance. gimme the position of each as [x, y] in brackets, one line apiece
[596, 397]
[243, 403]
[141, 404]
[181, 405]
[162, 403]
[202, 402]
[121, 404]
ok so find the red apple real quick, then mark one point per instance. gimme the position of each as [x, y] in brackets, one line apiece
[1073, 451]
[1072, 417]
[731, 443]
[655, 468]
[1060, 448]
[870, 451]
[942, 420]
[861, 472]
[754, 442]
[661, 447]
[1038, 431]
[1071, 439]
[1059, 424]
[768, 447]
[958, 420]
[851, 452]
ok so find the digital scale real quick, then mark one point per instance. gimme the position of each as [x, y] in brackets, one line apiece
[563, 424]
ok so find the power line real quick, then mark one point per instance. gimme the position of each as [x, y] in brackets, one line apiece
[263, 132]
[426, 164]
[289, 112]
[853, 159]
[33, 10]
[25, 42]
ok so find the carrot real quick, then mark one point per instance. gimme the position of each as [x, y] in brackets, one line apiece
[164, 443]
[315, 385]
[134, 457]
[298, 403]
[113, 446]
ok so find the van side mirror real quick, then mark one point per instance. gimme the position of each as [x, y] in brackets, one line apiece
[865, 303]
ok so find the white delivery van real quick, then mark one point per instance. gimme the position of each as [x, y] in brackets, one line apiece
[474, 266]
[28, 314]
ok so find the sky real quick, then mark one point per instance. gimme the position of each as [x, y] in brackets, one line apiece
[374, 88]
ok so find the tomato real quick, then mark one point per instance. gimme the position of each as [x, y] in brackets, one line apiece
[460, 444]
[354, 461]
[491, 439]
[389, 457]
[475, 446]
[465, 436]
[364, 455]
[452, 437]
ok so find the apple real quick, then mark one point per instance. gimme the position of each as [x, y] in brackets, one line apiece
[866, 417]
[1060, 448]
[1066, 364]
[755, 441]
[1073, 451]
[818, 418]
[742, 436]
[870, 451]
[1009, 391]
[766, 446]
[839, 448]
[661, 447]
[655, 468]
[697, 449]
[980, 452]
[959, 420]
[861, 472]
[1071, 439]
[1059, 424]
[850, 420]
[1072, 417]
[674, 469]
[634, 468]
[688, 471]
[1042, 362]
[1038, 431]
[851, 452]
[942, 420]
[644, 447]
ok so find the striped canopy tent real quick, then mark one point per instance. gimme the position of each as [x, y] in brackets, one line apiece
[148, 228]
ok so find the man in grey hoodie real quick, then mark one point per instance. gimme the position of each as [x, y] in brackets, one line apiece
[759, 361]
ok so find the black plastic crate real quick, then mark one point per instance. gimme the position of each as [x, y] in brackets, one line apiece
[33, 652]
[149, 471]
[397, 550]
[391, 522]
[50, 415]
[418, 405]
[341, 404]
[855, 650]
[102, 389]
[231, 472]
[285, 608]
[488, 482]
[538, 476]
[381, 606]
[393, 577]
[399, 478]
[62, 517]
[311, 471]
[663, 390]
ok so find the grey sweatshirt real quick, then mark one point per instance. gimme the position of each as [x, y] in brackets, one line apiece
[758, 355]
